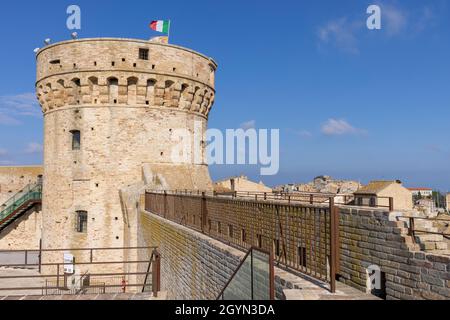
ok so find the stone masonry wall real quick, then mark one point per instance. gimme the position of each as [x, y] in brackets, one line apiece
[197, 267]
[14, 179]
[127, 100]
[372, 237]
[24, 233]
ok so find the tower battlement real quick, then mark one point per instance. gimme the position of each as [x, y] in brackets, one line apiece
[124, 72]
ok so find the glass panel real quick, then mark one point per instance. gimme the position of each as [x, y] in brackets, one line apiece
[261, 275]
[240, 288]
[253, 279]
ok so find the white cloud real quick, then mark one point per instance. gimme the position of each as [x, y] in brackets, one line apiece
[340, 33]
[249, 125]
[344, 33]
[34, 148]
[6, 163]
[339, 127]
[395, 19]
[12, 107]
[301, 133]
[8, 120]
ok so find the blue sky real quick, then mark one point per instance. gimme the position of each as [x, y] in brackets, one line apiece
[350, 102]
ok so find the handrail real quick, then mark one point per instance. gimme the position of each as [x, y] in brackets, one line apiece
[57, 277]
[295, 198]
[22, 192]
[29, 193]
[412, 230]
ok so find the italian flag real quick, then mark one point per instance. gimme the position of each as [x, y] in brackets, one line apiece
[160, 25]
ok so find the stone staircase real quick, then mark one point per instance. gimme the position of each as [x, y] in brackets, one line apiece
[430, 241]
[20, 203]
[428, 238]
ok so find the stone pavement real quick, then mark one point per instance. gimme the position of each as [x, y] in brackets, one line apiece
[115, 296]
[20, 282]
[310, 291]
[302, 287]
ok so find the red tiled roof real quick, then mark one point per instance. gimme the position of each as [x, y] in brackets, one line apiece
[420, 189]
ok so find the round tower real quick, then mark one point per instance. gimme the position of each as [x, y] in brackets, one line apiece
[110, 107]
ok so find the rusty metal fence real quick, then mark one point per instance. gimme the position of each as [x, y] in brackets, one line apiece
[99, 275]
[302, 237]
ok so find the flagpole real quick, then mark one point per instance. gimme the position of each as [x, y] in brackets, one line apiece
[168, 32]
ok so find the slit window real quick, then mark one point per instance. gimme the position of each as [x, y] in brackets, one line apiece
[259, 241]
[143, 54]
[302, 256]
[276, 247]
[76, 139]
[56, 61]
[230, 231]
[243, 235]
[82, 219]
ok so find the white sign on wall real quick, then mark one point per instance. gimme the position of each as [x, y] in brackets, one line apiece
[68, 263]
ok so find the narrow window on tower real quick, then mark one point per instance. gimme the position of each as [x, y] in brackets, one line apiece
[76, 139]
[82, 218]
[143, 54]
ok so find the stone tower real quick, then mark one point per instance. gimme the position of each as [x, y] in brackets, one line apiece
[111, 107]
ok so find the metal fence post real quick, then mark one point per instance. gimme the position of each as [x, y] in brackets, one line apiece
[165, 204]
[333, 241]
[40, 255]
[156, 276]
[203, 212]
[412, 232]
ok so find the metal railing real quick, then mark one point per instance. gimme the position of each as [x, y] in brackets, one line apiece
[114, 278]
[253, 279]
[297, 197]
[32, 192]
[413, 231]
[301, 236]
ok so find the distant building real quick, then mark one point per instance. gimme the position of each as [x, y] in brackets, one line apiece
[322, 184]
[377, 194]
[427, 206]
[240, 184]
[424, 192]
[448, 202]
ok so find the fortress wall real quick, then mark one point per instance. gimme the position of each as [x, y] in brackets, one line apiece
[371, 237]
[24, 233]
[14, 179]
[194, 266]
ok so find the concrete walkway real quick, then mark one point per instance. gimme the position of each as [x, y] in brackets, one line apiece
[116, 296]
[310, 289]
[20, 282]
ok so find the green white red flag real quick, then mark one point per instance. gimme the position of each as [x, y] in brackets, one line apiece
[160, 25]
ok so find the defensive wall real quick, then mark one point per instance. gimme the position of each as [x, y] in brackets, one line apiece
[13, 179]
[195, 263]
